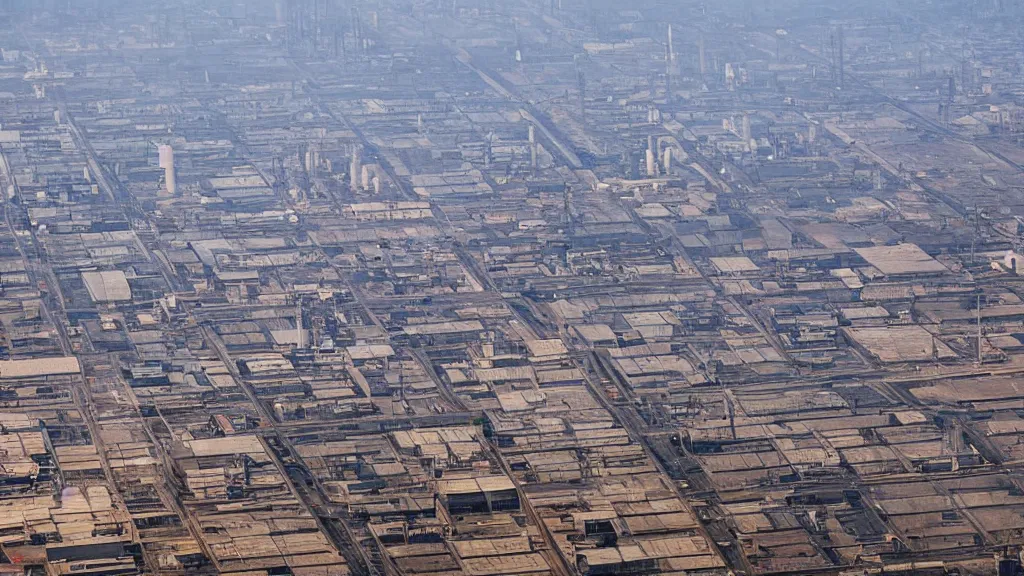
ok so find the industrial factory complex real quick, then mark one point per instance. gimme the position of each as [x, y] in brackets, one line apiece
[511, 287]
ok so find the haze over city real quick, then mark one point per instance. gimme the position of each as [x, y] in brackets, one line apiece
[511, 287]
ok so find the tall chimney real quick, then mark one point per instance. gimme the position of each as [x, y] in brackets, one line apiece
[842, 75]
[703, 59]
[355, 170]
[167, 163]
[671, 48]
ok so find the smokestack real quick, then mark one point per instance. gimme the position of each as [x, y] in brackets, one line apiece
[703, 59]
[519, 45]
[355, 170]
[581, 82]
[980, 358]
[842, 75]
[671, 49]
[357, 36]
[532, 136]
[668, 75]
[298, 323]
[581, 87]
[167, 163]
